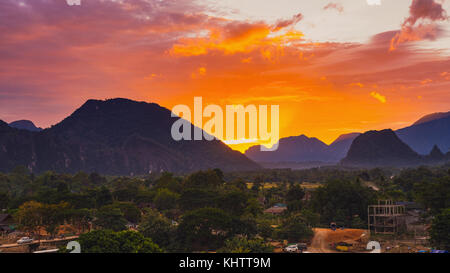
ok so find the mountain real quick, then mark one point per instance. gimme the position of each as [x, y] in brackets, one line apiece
[25, 125]
[430, 130]
[339, 148]
[291, 149]
[304, 149]
[380, 148]
[117, 137]
[436, 155]
[432, 117]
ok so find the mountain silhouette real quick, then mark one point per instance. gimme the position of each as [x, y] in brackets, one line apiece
[380, 148]
[339, 148]
[430, 130]
[117, 137]
[291, 149]
[304, 149]
[25, 125]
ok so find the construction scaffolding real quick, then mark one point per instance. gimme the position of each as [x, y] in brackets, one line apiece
[385, 218]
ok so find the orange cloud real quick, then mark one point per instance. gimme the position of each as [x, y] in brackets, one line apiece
[237, 37]
[357, 84]
[426, 81]
[199, 73]
[378, 96]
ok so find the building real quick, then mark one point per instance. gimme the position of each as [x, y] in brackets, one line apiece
[386, 217]
[276, 209]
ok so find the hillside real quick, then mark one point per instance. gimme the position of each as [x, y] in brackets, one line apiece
[292, 149]
[429, 131]
[380, 148]
[304, 149]
[118, 136]
[25, 125]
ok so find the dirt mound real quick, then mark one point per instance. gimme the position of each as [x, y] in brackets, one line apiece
[344, 235]
[323, 237]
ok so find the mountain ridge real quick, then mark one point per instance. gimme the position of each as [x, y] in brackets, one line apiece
[118, 137]
[25, 125]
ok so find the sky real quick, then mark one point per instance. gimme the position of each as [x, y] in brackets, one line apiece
[333, 67]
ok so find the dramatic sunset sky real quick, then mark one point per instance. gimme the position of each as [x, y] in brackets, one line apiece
[333, 66]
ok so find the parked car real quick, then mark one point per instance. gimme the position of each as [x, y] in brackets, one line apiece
[291, 249]
[302, 247]
[25, 240]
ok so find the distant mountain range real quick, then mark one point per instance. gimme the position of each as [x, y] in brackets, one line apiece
[25, 125]
[117, 137]
[385, 148]
[380, 148]
[431, 132]
[304, 149]
[123, 137]
[428, 131]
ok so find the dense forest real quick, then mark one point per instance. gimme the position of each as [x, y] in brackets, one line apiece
[213, 211]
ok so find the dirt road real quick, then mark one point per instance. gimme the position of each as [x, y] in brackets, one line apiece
[323, 237]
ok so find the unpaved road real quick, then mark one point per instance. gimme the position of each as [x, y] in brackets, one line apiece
[41, 241]
[323, 237]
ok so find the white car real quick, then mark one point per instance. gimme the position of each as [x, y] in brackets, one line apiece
[25, 240]
[291, 248]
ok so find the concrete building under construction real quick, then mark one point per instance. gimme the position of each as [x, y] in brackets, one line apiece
[386, 217]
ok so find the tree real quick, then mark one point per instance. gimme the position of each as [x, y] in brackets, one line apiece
[80, 218]
[440, 230]
[245, 245]
[110, 218]
[233, 202]
[29, 217]
[434, 194]
[311, 218]
[165, 199]
[53, 216]
[195, 198]
[130, 211]
[204, 227]
[204, 179]
[294, 198]
[295, 229]
[4, 200]
[107, 241]
[295, 193]
[341, 200]
[264, 229]
[158, 228]
[103, 197]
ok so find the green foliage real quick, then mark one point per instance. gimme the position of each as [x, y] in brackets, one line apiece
[205, 227]
[129, 210]
[110, 218]
[339, 201]
[32, 215]
[295, 229]
[434, 195]
[264, 229]
[244, 245]
[166, 199]
[4, 200]
[107, 241]
[158, 228]
[440, 230]
[204, 179]
[195, 198]
[311, 218]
